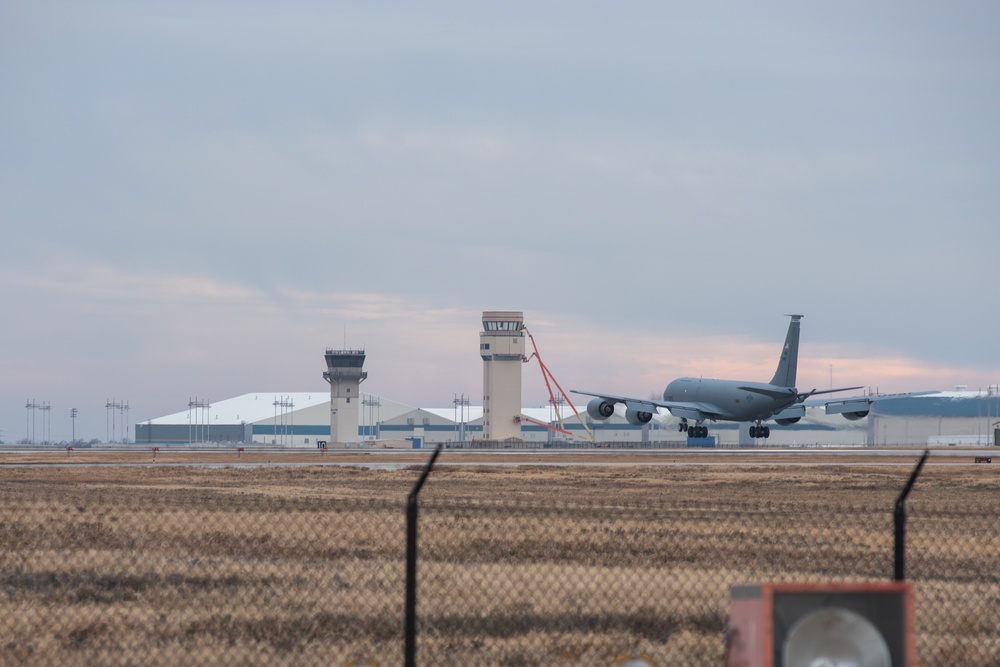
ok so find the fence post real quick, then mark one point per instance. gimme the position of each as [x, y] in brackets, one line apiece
[410, 630]
[899, 520]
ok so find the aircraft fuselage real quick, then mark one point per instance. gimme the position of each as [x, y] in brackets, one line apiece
[730, 398]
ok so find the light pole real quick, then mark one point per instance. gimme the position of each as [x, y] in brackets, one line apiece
[461, 407]
[123, 414]
[373, 403]
[72, 415]
[46, 422]
[30, 406]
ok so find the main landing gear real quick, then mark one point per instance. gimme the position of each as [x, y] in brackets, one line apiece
[697, 431]
[759, 431]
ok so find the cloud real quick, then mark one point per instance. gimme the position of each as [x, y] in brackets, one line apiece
[201, 197]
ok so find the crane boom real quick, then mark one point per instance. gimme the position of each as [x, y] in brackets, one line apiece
[546, 376]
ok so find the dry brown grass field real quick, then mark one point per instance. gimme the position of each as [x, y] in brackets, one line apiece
[529, 565]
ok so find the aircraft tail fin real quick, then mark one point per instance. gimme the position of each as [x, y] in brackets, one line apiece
[788, 363]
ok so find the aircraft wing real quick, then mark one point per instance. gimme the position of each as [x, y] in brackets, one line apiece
[859, 403]
[785, 392]
[683, 409]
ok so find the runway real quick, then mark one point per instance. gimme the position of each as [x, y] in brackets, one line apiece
[402, 459]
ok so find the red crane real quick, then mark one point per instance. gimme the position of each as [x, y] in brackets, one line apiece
[549, 381]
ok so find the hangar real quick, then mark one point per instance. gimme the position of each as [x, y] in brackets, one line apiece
[302, 419]
[958, 417]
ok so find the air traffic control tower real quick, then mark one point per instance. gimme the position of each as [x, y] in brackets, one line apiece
[501, 345]
[345, 377]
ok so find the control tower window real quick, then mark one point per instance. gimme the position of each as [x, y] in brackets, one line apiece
[502, 326]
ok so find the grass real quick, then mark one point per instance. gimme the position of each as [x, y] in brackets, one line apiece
[519, 566]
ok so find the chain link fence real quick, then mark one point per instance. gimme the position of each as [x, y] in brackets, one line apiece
[116, 578]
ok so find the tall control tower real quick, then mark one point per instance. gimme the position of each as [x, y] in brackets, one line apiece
[345, 377]
[501, 345]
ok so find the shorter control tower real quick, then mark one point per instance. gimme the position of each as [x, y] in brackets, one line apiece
[343, 372]
[501, 345]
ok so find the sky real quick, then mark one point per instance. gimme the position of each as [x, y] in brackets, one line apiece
[198, 198]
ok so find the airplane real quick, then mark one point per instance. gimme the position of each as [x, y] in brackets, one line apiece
[704, 399]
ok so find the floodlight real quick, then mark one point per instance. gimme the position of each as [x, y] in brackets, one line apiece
[821, 625]
[835, 637]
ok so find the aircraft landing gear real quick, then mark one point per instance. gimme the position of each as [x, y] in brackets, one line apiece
[697, 431]
[759, 431]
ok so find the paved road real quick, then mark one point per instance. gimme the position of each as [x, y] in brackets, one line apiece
[400, 459]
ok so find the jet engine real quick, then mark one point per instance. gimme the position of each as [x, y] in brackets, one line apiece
[851, 409]
[790, 415]
[598, 408]
[637, 417]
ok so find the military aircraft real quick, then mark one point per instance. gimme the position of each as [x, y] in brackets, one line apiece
[704, 399]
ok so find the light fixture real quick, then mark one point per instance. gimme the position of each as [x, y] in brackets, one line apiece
[821, 625]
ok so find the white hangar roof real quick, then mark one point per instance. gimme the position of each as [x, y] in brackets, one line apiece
[475, 412]
[260, 406]
[249, 408]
